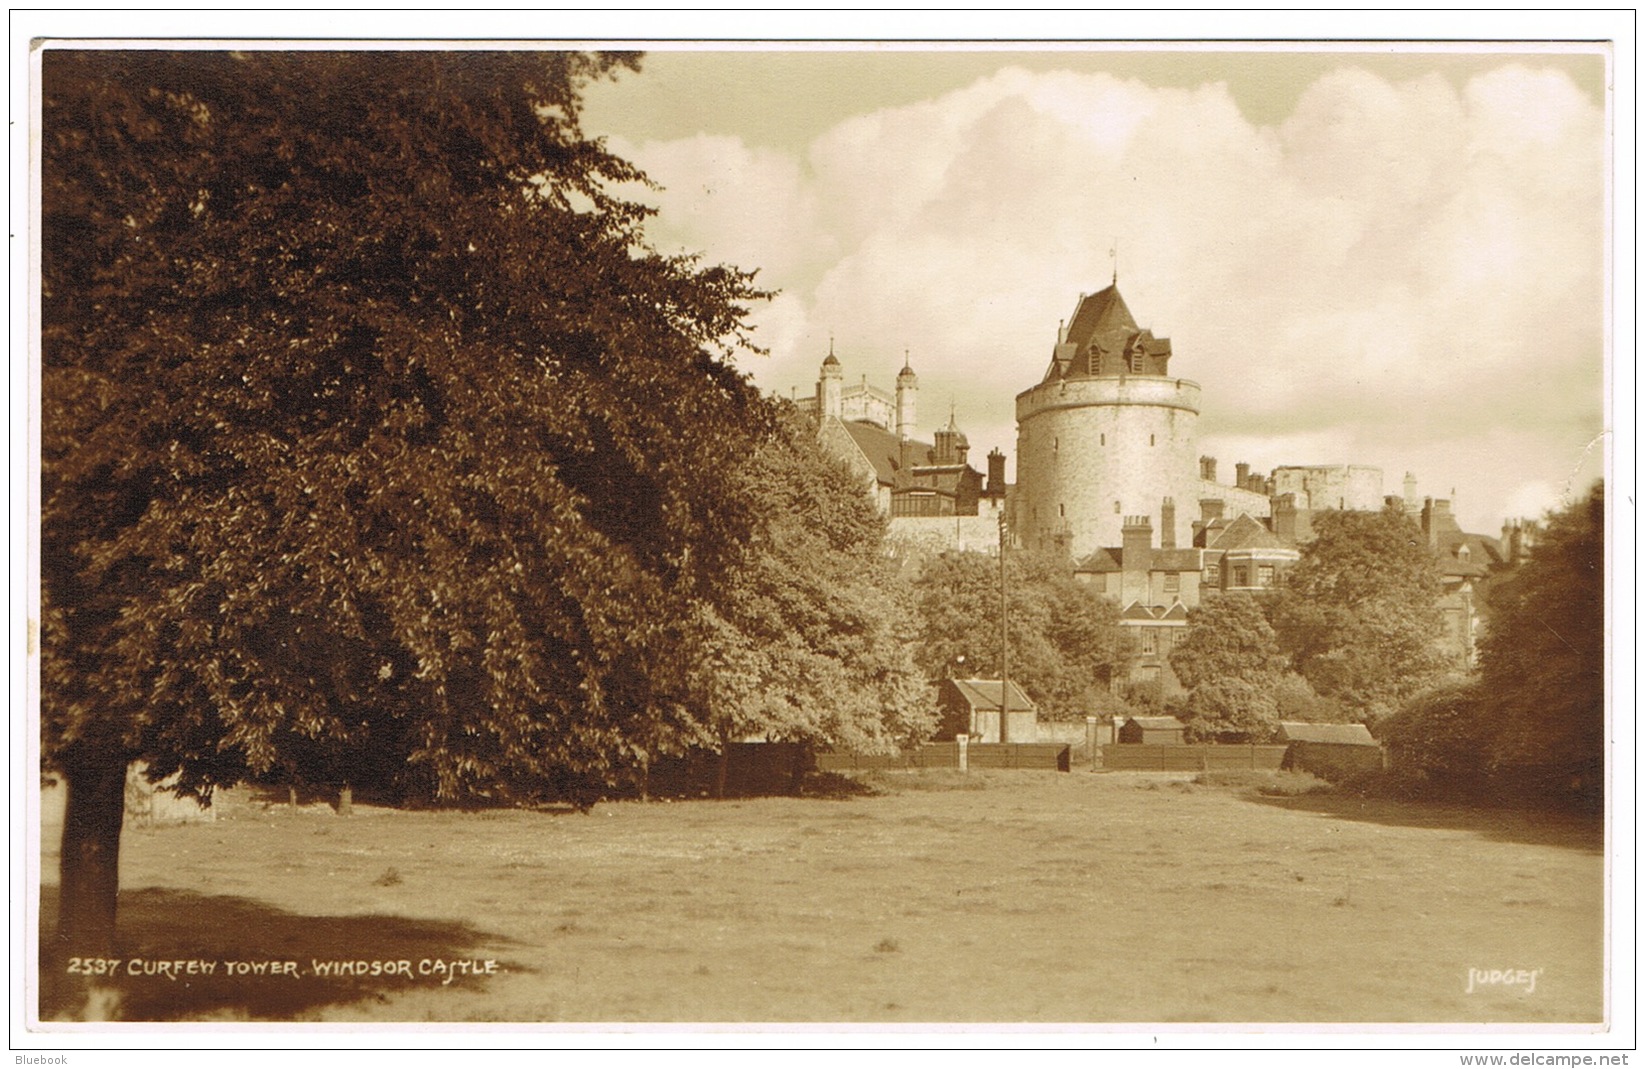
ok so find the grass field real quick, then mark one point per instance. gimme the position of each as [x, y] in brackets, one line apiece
[995, 897]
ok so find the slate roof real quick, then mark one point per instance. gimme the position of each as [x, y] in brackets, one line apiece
[1102, 560]
[1157, 723]
[1299, 731]
[1484, 552]
[1102, 324]
[1138, 611]
[1243, 532]
[985, 694]
[1112, 559]
[884, 451]
[1099, 314]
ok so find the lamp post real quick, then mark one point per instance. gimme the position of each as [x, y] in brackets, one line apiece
[1005, 645]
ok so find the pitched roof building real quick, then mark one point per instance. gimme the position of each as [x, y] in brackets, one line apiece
[872, 431]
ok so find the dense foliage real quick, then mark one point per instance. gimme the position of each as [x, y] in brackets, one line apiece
[379, 448]
[1359, 614]
[1532, 727]
[1066, 643]
[1240, 685]
[808, 637]
[1230, 663]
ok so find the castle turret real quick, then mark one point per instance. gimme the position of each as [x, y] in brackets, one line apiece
[908, 387]
[829, 385]
[1105, 434]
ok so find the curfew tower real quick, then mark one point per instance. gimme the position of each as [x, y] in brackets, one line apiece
[1106, 440]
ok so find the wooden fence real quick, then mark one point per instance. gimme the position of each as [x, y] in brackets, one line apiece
[1150, 757]
[1049, 756]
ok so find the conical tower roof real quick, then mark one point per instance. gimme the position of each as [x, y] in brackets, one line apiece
[1100, 314]
[1102, 324]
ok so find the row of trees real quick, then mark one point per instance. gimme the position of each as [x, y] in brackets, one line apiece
[1352, 635]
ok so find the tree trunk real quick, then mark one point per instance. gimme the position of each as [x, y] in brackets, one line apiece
[90, 865]
[723, 769]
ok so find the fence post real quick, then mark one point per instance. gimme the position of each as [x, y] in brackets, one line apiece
[964, 741]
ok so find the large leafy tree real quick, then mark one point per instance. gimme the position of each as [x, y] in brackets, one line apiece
[376, 443]
[1542, 662]
[1359, 615]
[1066, 643]
[806, 637]
[1231, 664]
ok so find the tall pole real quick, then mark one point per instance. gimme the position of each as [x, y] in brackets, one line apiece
[1005, 646]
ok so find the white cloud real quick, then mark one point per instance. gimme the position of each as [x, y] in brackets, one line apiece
[1404, 272]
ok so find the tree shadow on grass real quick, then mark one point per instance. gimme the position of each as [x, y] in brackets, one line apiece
[1530, 827]
[159, 925]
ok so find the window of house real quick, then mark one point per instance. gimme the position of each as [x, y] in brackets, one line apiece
[1265, 575]
[1102, 439]
[1241, 576]
[1062, 510]
[1213, 574]
[1148, 641]
[1116, 507]
[1173, 582]
[1150, 439]
[1136, 361]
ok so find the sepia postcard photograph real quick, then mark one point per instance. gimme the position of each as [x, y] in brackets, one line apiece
[1079, 536]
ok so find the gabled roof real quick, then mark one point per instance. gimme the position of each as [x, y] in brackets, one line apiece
[1299, 731]
[1153, 613]
[1243, 532]
[1176, 560]
[1102, 560]
[1156, 723]
[985, 694]
[1483, 553]
[1113, 559]
[882, 448]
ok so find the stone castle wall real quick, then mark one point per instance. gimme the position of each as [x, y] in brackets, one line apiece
[1092, 451]
[1331, 486]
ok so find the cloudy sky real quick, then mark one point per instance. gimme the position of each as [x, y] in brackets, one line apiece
[1382, 257]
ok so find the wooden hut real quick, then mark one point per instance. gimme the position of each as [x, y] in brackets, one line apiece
[972, 707]
[1329, 751]
[1152, 730]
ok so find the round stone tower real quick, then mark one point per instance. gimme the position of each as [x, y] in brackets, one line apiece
[1106, 439]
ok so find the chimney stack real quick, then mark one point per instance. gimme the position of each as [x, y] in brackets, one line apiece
[1168, 524]
[1137, 539]
[996, 474]
[1242, 475]
[1208, 469]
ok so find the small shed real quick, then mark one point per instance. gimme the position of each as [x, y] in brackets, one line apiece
[1152, 730]
[1329, 751]
[972, 707]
